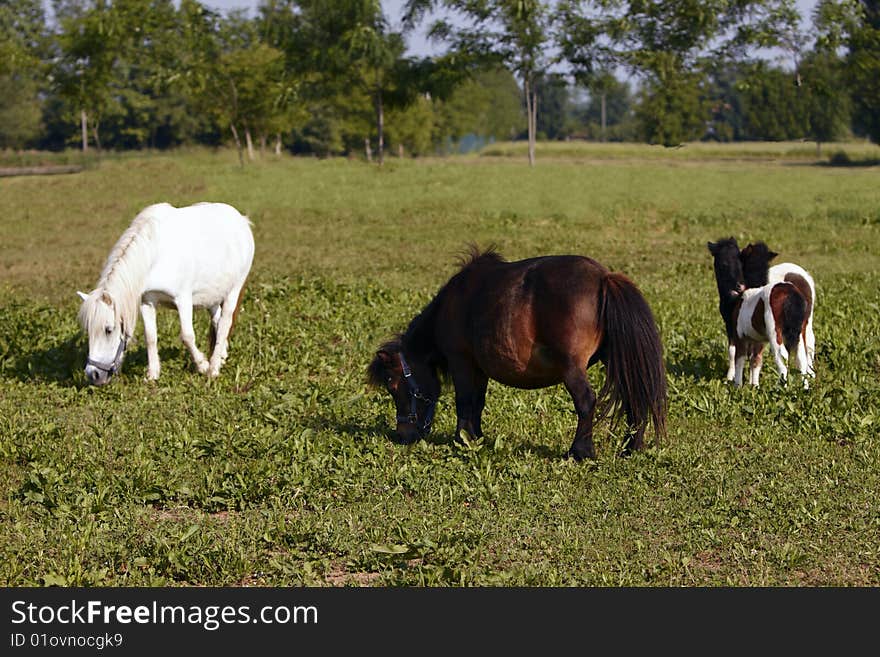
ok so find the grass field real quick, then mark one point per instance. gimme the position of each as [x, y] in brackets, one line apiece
[283, 471]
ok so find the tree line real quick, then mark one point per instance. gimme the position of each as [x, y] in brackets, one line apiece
[333, 76]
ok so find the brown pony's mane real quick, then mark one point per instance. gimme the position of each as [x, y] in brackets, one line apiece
[419, 335]
[474, 257]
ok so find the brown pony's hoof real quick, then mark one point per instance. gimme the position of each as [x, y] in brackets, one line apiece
[580, 453]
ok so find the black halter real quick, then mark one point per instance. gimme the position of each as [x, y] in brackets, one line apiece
[414, 395]
[113, 366]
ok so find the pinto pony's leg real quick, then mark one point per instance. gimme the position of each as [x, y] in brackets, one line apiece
[780, 357]
[810, 345]
[802, 362]
[635, 380]
[756, 359]
[187, 335]
[228, 311]
[731, 361]
[740, 363]
[585, 404]
[151, 337]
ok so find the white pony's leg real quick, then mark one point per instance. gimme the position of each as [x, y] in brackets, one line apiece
[214, 312]
[187, 335]
[223, 327]
[731, 362]
[151, 338]
[756, 361]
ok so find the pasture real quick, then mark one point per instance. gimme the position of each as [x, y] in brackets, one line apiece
[282, 471]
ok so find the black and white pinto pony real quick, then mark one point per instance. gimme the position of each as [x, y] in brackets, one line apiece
[756, 258]
[776, 313]
[197, 256]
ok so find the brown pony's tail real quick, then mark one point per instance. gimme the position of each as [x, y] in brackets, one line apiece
[635, 381]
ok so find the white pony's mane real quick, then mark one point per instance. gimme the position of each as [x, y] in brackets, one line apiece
[124, 272]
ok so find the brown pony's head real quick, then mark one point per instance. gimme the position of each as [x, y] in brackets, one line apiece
[413, 385]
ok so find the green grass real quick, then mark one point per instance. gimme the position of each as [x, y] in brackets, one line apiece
[840, 153]
[282, 471]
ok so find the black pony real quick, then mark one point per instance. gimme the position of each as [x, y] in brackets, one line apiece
[529, 324]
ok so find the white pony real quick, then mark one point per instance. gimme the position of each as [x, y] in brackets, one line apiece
[195, 256]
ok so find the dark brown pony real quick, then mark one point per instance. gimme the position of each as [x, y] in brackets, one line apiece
[529, 324]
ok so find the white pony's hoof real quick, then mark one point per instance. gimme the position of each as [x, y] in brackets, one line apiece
[153, 376]
[202, 366]
[214, 372]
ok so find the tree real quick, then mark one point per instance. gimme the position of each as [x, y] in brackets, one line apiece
[824, 97]
[670, 45]
[514, 32]
[377, 64]
[487, 105]
[88, 45]
[551, 95]
[854, 25]
[609, 107]
[22, 50]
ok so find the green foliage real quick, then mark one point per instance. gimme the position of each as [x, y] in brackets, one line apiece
[20, 111]
[282, 471]
[489, 105]
[673, 111]
[772, 106]
[863, 69]
[515, 33]
[322, 76]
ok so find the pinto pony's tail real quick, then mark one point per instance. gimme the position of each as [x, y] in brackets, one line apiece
[635, 380]
[794, 316]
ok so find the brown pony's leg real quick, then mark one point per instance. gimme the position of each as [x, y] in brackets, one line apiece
[584, 399]
[470, 393]
[482, 382]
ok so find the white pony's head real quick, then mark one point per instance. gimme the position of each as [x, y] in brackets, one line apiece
[102, 321]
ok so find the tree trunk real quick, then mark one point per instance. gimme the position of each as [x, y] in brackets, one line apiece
[531, 111]
[604, 95]
[237, 144]
[400, 151]
[380, 127]
[84, 127]
[97, 137]
[367, 149]
[249, 141]
[278, 144]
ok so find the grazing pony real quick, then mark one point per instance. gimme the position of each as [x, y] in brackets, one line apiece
[775, 313]
[529, 324]
[195, 256]
[757, 272]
